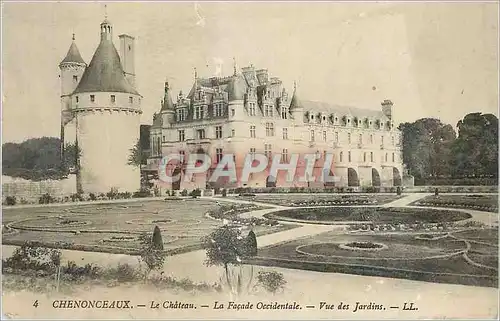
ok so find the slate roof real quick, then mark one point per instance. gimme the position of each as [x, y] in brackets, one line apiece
[327, 108]
[105, 72]
[73, 55]
[168, 104]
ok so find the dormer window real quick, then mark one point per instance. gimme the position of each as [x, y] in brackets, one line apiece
[76, 99]
[131, 100]
[312, 116]
[113, 98]
[92, 98]
[324, 118]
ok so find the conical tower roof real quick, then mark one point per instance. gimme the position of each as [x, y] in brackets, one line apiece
[73, 54]
[295, 102]
[168, 104]
[105, 72]
[237, 88]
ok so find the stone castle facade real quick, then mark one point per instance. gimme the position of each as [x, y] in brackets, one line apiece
[250, 112]
[101, 110]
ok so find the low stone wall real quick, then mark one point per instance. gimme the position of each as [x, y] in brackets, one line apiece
[30, 191]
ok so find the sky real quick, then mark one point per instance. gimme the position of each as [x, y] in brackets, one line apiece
[431, 59]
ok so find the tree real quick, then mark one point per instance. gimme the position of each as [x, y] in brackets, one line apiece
[251, 244]
[226, 247]
[427, 147]
[272, 281]
[157, 239]
[476, 148]
[152, 253]
[137, 157]
[37, 158]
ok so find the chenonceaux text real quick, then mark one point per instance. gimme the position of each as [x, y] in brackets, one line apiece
[91, 304]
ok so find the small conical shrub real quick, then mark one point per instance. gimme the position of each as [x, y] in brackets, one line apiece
[251, 244]
[157, 240]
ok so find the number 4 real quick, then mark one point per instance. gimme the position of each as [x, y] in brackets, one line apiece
[35, 304]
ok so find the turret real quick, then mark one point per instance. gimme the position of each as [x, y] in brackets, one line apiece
[387, 108]
[72, 68]
[167, 107]
[296, 108]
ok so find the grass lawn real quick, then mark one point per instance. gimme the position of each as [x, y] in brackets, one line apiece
[405, 256]
[473, 201]
[114, 228]
[322, 199]
[369, 214]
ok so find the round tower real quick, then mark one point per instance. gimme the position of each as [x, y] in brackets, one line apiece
[72, 68]
[107, 111]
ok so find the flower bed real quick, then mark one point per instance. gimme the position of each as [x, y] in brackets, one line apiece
[475, 202]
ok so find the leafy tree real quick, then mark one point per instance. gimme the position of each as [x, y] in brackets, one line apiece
[137, 157]
[476, 148]
[37, 158]
[226, 247]
[427, 147]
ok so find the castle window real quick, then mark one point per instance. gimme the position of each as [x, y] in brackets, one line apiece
[285, 133]
[336, 120]
[269, 129]
[324, 135]
[163, 138]
[129, 47]
[182, 154]
[267, 150]
[182, 135]
[336, 137]
[324, 118]
[198, 112]
[232, 112]
[252, 153]
[393, 141]
[349, 138]
[371, 139]
[284, 155]
[312, 136]
[200, 133]
[130, 100]
[75, 78]
[382, 139]
[181, 115]
[218, 154]
[393, 158]
[284, 112]
[233, 133]
[251, 109]
[268, 110]
[92, 98]
[76, 98]
[364, 157]
[113, 98]
[341, 156]
[219, 110]
[349, 156]
[252, 131]
[371, 157]
[218, 132]
[361, 138]
[386, 157]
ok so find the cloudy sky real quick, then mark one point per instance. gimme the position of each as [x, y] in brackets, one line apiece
[431, 59]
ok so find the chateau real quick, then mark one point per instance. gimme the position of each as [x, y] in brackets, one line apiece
[250, 112]
[101, 110]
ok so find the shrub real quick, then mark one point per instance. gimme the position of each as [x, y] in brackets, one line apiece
[124, 273]
[112, 194]
[92, 197]
[76, 272]
[167, 193]
[272, 281]
[184, 192]
[31, 256]
[10, 200]
[141, 193]
[195, 193]
[251, 244]
[46, 199]
[224, 192]
[157, 239]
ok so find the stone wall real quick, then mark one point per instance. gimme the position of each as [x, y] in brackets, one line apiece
[29, 190]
